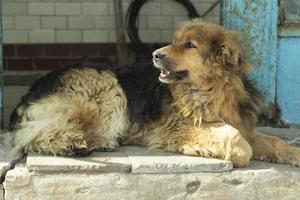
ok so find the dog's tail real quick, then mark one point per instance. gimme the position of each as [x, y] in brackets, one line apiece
[55, 126]
[274, 149]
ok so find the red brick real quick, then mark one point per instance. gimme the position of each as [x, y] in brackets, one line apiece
[61, 50]
[107, 49]
[9, 50]
[84, 50]
[19, 64]
[46, 63]
[29, 50]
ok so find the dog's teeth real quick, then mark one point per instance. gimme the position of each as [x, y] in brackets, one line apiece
[164, 73]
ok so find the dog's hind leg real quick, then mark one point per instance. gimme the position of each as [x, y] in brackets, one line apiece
[274, 149]
[52, 126]
[68, 126]
[212, 140]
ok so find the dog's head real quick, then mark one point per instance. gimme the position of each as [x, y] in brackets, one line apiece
[200, 50]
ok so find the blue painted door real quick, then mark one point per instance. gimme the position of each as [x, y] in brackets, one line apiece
[275, 54]
[288, 78]
[288, 62]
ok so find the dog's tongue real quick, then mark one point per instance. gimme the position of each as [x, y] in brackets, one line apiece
[164, 73]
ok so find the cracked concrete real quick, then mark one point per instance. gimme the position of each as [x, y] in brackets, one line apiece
[258, 181]
[138, 173]
[146, 161]
[96, 162]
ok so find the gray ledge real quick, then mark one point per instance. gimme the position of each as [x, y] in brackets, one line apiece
[132, 159]
[96, 162]
[258, 181]
[144, 160]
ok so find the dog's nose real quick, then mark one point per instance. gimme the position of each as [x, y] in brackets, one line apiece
[157, 55]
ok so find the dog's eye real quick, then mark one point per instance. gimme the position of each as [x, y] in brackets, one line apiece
[189, 45]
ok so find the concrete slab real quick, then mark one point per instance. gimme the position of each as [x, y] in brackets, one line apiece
[258, 181]
[5, 148]
[128, 159]
[155, 175]
[96, 162]
[144, 160]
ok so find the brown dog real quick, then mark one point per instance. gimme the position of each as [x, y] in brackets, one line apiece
[209, 61]
[206, 108]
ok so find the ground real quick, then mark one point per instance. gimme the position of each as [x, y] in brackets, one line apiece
[138, 173]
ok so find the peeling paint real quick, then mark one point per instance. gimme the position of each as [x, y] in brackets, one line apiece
[258, 21]
[275, 59]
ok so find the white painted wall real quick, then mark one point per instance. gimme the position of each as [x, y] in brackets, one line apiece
[89, 21]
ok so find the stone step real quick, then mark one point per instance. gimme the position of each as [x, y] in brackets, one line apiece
[135, 172]
[128, 159]
[96, 162]
[146, 161]
[258, 181]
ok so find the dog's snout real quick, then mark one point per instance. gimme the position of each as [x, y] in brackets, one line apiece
[157, 55]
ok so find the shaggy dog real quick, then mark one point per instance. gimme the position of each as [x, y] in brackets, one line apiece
[203, 104]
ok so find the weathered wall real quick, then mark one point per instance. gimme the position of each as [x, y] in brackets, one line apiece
[258, 22]
[274, 51]
[89, 21]
[44, 34]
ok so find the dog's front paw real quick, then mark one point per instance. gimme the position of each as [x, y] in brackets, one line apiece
[196, 150]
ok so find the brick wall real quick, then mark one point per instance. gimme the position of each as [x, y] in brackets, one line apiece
[37, 22]
[88, 21]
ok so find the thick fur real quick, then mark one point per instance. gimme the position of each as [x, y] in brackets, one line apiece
[86, 111]
[204, 107]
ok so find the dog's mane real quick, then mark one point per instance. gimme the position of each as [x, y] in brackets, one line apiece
[228, 92]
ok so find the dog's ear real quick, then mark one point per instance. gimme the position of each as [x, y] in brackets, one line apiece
[229, 54]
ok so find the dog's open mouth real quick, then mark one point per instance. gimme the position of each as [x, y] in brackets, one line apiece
[164, 73]
[168, 76]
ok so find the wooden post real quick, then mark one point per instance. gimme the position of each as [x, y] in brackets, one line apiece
[120, 33]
